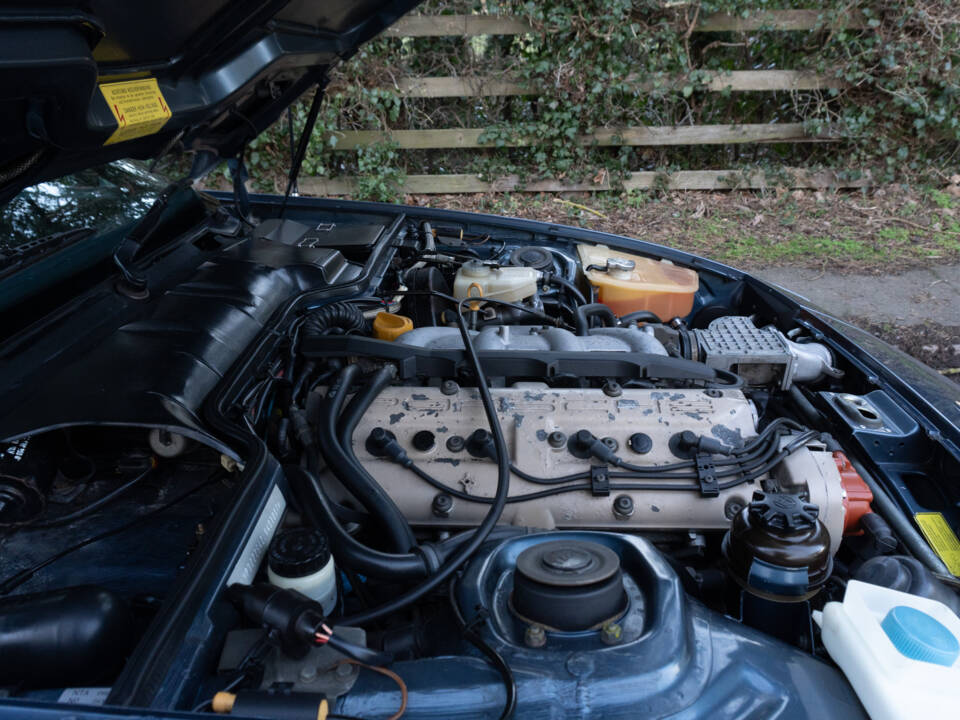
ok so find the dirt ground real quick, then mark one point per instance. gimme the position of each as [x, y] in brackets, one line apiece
[935, 345]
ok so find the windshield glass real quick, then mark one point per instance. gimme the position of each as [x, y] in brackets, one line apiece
[101, 198]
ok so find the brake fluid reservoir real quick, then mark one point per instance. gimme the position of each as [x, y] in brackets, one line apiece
[628, 283]
[511, 284]
[300, 559]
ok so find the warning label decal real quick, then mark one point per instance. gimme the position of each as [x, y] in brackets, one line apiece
[138, 106]
[941, 538]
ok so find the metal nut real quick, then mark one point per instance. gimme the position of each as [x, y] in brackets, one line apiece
[556, 439]
[442, 505]
[611, 388]
[449, 387]
[611, 634]
[535, 636]
[623, 506]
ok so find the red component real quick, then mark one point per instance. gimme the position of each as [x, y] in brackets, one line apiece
[857, 495]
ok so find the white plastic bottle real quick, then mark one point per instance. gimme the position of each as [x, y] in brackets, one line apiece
[299, 559]
[900, 652]
[475, 279]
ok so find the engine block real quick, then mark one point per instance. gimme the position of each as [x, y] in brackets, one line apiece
[432, 427]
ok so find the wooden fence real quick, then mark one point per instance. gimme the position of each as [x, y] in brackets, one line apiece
[478, 86]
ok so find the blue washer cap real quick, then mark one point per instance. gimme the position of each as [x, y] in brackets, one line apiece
[920, 637]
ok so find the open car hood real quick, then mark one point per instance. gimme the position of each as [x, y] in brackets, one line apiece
[83, 83]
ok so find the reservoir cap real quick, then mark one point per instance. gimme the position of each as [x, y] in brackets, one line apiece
[298, 552]
[919, 636]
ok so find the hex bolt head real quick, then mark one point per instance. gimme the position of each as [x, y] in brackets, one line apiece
[623, 506]
[732, 508]
[611, 634]
[556, 439]
[442, 505]
[534, 636]
[308, 673]
[456, 443]
[449, 387]
[611, 443]
[611, 388]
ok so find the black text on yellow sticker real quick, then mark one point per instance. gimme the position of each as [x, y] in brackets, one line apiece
[138, 106]
[941, 538]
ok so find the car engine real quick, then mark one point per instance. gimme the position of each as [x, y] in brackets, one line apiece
[395, 465]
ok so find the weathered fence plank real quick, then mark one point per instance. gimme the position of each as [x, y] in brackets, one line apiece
[472, 25]
[605, 137]
[736, 80]
[681, 180]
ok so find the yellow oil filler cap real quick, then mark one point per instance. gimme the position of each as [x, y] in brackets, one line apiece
[387, 326]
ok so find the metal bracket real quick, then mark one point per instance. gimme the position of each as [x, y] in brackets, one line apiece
[707, 476]
[599, 480]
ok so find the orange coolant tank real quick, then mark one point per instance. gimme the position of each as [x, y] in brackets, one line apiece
[627, 283]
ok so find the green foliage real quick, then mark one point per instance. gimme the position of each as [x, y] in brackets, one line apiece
[900, 115]
[378, 177]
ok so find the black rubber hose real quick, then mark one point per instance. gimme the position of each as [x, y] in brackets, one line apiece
[339, 316]
[645, 316]
[465, 551]
[346, 426]
[349, 472]
[585, 312]
[349, 552]
[571, 289]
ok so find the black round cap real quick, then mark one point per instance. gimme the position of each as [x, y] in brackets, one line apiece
[641, 443]
[568, 584]
[298, 552]
[783, 511]
[533, 257]
[424, 440]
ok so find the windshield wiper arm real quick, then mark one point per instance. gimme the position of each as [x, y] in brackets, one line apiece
[14, 257]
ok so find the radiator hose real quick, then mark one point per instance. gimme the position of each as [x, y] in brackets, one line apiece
[344, 465]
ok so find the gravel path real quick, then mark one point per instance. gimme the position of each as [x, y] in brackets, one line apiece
[915, 297]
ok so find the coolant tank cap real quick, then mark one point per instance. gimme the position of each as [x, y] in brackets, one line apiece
[620, 267]
[918, 636]
[475, 268]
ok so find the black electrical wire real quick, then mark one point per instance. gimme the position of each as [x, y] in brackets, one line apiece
[16, 580]
[571, 289]
[443, 487]
[495, 658]
[252, 659]
[482, 299]
[351, 472]
[758, 465]
[94, 506]
[465, 551]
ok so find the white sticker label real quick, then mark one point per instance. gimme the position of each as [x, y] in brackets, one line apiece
[84, 695]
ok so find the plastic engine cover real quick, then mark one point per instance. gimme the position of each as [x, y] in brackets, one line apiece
[424, 420]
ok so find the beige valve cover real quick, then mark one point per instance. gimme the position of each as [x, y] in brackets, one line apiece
[528, 413]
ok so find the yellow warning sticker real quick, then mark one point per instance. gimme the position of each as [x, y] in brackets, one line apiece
[941, 538]
[138, 106]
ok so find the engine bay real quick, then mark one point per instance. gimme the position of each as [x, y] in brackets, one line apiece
[368, 465]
